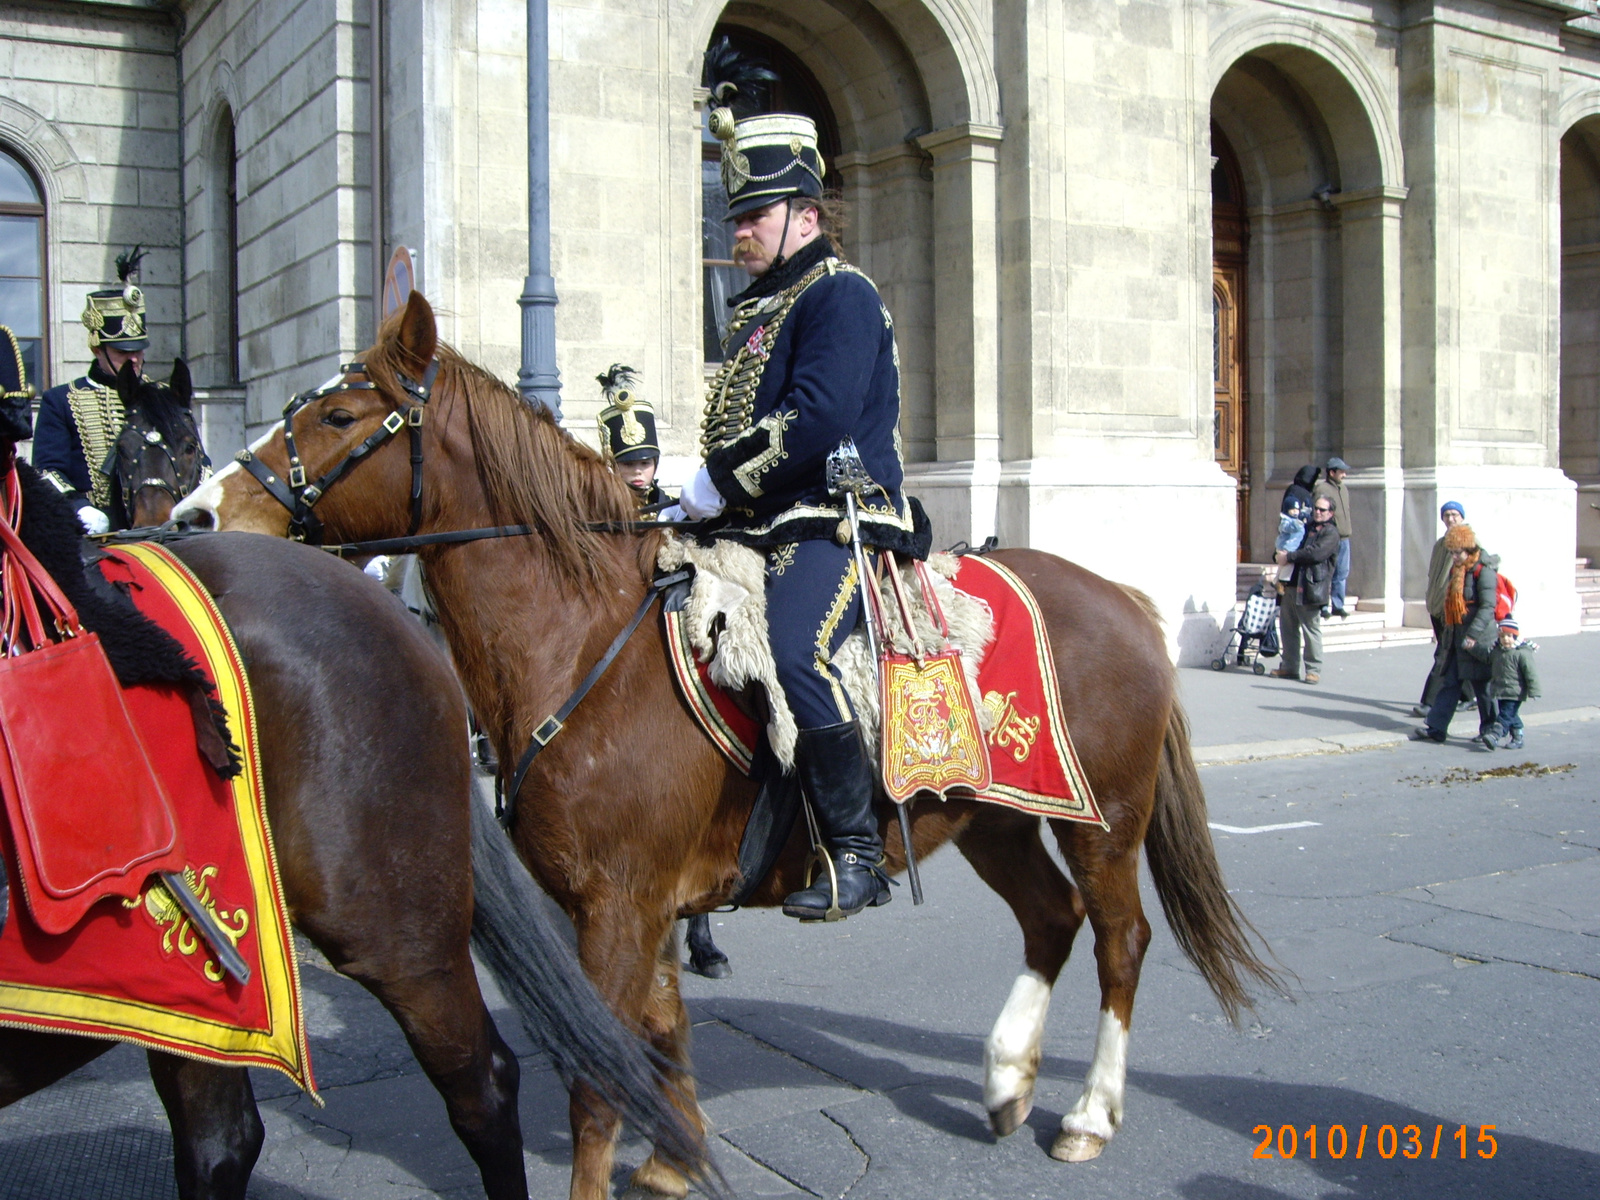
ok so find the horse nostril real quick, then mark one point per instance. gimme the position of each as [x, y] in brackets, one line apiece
[195, 519]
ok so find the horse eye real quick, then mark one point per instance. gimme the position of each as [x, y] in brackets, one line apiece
[339, 419]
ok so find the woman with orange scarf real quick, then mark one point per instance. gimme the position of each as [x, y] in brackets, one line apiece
[1467, 636]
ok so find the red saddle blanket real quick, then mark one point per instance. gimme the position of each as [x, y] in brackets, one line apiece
[1035, 767]
[136, 970]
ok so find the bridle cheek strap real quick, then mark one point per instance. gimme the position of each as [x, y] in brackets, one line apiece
[299, 495]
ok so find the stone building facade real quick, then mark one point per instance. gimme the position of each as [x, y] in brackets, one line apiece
[1145, 257]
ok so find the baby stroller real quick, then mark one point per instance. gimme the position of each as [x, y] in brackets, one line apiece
[1255, 637]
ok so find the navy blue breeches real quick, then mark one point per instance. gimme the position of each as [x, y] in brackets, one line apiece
[813, 603]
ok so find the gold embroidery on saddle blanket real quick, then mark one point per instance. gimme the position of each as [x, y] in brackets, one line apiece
[993, 621]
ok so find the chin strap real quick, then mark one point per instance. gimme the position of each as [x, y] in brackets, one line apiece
[781, 256]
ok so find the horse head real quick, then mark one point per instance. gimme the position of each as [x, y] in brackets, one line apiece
[158, 458]
[379, 451]
[372, 415]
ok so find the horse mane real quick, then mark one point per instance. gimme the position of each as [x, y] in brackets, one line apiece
[532, 471]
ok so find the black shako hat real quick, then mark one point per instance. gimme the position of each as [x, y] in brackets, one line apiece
[114, 316]
[627, 422]
[766, 158]
[16, 422]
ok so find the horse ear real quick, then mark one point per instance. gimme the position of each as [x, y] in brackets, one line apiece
[181, 384]
[419, 334]
[127, 382]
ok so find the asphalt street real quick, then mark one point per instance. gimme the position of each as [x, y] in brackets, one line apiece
[1444, 929]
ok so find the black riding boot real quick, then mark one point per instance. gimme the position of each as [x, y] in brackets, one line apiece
[838, 779]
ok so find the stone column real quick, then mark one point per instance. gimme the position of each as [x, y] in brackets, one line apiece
[961, 490]
[1369, 235]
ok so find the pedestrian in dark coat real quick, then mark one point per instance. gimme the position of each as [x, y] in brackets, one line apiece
[1298, 494]
[1300, 614]
[1468, 636]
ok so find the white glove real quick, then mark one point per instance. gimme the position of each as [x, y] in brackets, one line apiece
[700, 498]
[378, 567]
[672, 513]
[93, 520]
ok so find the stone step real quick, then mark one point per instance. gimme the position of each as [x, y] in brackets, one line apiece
[1365, 631]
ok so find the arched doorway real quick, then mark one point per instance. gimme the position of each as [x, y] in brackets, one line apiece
[1230, 235]
[1580, 325]
[1303, 219]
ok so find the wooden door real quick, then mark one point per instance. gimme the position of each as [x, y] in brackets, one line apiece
[1227, 361]
[1229, 241]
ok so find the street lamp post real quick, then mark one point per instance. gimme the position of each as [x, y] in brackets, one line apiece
[539, 381]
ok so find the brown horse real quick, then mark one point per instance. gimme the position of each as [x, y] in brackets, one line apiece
[631, 817]
[387, 863]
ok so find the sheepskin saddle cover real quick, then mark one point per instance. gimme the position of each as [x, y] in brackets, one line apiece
[726, 621]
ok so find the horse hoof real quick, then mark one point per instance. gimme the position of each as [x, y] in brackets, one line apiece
[1072, 1146]
[1008, 1118]
[655, 1178]
[716, 968]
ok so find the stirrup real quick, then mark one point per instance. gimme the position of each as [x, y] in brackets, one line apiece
[833, 912]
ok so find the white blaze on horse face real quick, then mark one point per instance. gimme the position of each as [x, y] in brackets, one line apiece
[1099, 1110]
[1011, 1055]
[211, 496]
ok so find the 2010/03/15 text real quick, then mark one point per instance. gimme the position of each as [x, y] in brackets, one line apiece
[1335, 1141]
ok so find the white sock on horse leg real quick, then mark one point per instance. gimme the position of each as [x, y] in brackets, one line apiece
[1099, 1110]
[1011, 1053]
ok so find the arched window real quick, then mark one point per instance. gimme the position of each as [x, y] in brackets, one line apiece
[222, 218]
[22, 264]
[795, 90]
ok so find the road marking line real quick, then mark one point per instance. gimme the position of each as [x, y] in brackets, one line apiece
[1264, 828]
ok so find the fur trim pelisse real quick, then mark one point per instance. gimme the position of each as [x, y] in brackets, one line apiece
[730, 583]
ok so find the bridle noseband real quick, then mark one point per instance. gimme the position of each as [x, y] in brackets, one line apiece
[299, 495]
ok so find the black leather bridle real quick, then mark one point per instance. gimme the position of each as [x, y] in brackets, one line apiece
[298, 494]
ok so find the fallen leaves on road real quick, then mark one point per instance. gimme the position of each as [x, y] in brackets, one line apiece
[1455, 775]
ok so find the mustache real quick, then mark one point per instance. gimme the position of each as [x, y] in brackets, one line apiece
[747, 248]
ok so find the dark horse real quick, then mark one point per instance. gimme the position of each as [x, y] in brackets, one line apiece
[382, 853]
[158, 458]
[631, 817]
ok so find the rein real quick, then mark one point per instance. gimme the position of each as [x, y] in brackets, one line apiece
[546, 730]
[299, 495]
[404, 545]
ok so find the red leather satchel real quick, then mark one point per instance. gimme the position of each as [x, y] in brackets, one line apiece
[88, 817]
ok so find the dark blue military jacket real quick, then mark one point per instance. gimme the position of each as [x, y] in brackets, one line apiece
[57, 447]
[807, 367]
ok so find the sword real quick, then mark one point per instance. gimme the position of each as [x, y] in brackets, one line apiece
[847, 476]
[230, 959]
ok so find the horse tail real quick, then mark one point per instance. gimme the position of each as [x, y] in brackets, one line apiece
[523, 948]
[1208, 924]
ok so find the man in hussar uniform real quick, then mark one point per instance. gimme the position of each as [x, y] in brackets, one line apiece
[79, 422]
[811, 361]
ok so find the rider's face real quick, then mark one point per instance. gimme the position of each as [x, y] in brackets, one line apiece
[640, 473]
[759, 236]
[111, 360]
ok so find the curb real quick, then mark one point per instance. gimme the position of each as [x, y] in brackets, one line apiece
[1350, 743]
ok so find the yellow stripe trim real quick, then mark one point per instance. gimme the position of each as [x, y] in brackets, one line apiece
[283, 1046]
